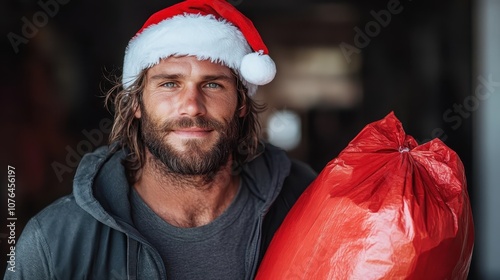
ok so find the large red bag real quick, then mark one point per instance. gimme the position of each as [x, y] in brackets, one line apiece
[385, 208]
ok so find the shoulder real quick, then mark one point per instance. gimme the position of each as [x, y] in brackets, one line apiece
[57, 221]
[62, 210]
[63, 224]
[301, 175]
[64, 221]
[34, 249]
[64, 240]
[296, 175]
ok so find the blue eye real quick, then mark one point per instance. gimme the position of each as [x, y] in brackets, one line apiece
[213, 85]
[168, 85]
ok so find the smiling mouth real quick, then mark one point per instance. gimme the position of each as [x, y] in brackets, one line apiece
[192, 132]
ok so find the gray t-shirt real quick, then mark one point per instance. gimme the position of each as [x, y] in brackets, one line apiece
[213, 251]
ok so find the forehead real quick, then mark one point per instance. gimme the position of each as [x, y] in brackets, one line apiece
[189, 66]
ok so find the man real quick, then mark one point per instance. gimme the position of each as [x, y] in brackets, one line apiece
[186, 190]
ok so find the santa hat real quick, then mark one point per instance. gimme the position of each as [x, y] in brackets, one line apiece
[208, 29]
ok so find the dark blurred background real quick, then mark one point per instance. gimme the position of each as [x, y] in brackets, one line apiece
[341, 65]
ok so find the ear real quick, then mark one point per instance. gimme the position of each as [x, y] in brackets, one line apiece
[242, 111]
[138, 112]
[243, 108]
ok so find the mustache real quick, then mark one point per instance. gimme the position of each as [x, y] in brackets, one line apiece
[187, 122]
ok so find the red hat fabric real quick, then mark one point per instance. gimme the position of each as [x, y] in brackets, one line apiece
[212, 30]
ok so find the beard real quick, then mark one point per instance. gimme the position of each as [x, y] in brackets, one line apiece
[194, 159]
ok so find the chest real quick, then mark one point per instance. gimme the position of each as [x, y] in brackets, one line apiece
[222, 249]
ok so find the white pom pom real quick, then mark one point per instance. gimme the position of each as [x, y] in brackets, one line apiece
[258, 69]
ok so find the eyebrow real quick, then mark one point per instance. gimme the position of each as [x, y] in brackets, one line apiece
[164, 76]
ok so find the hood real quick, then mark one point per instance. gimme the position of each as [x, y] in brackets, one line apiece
[100, 186]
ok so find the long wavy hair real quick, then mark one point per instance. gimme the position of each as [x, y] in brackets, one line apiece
[126, 133]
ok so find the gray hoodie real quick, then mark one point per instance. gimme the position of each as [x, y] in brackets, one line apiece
[90, 234]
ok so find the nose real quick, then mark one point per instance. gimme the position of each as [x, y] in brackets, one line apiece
[191, 102]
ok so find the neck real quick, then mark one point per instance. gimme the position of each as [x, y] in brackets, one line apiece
[186, 201]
